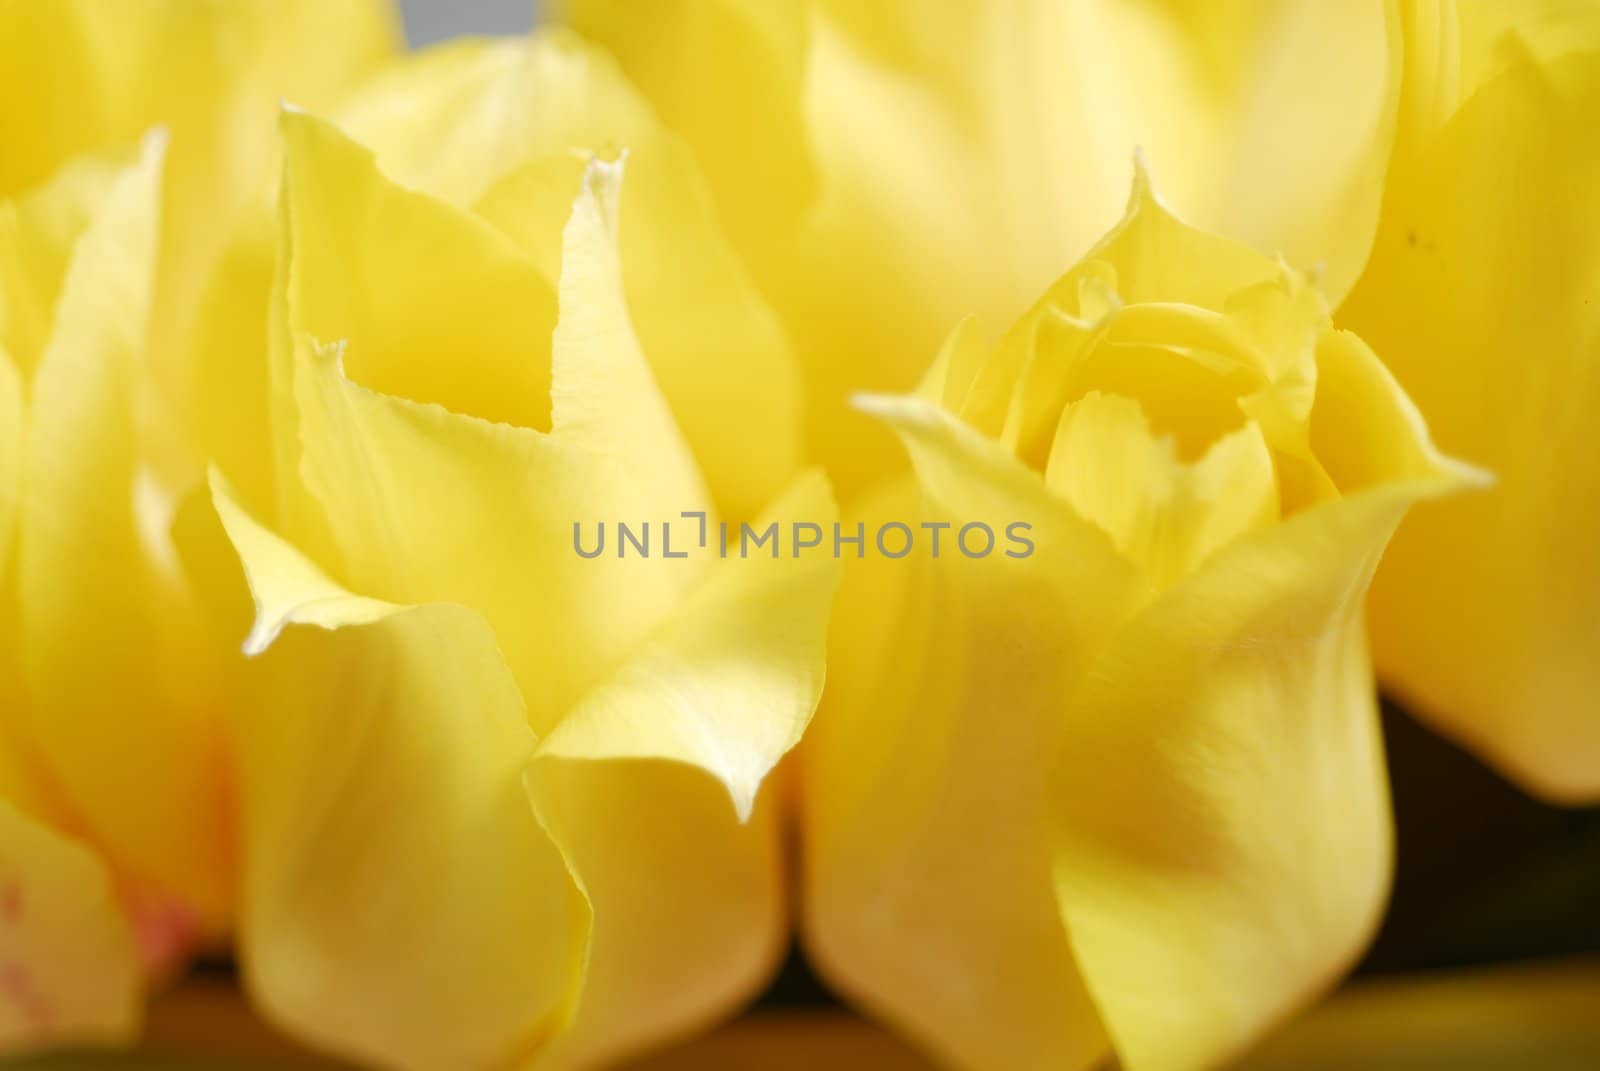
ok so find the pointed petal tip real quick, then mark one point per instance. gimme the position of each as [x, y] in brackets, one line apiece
[602, 181]
[155, 142]
[1144, 187]
[262, 636]
[1141, 167]
[895, 408]
[264, 629]
[744, 801]
[1460, 475]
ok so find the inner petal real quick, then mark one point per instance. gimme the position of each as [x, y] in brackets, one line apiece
[1165, 514]
[435, 305]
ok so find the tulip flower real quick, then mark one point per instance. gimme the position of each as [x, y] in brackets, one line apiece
[131, 132]
[501, 800]
[1486, 615]
[1122, 796]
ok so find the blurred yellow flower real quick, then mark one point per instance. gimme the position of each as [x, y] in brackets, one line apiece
[116, 839]
[1125, 796]
[501, 803]
[1483, 284]
[894, 166]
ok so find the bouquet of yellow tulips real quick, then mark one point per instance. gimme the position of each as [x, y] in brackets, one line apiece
[497, 540]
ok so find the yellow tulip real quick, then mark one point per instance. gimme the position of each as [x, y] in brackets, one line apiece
[502, 802]
[1122, 796]
[131, 133]
[1486, 615]
[894, 166]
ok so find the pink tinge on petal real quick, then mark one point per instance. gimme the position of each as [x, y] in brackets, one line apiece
[167, 933]
[18, 989]
[17, 985]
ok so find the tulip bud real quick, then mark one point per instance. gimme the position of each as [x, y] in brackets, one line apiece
[502, 798]
[1123, 796]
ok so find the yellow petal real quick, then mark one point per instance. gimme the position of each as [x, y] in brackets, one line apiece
[229, 420]
[1164, 514]
[456, 119]
[605, 397]
[949, 378]
[504, 128]
[1453, 48]
[729, 684]
[379, 469]
[729, 78]
[1165, 255]
[40, 231]
[687, 887]
[689, 914]
[928, 893]
[448, 121]
[387, 828]
[435, 305]
[68, 972]
[1483, 615]
[1496, 35]
[721, 358]
[1220, 804]
[11, 465]
[121, 689]
[377, 466]
[1143, 314]
[1365, 431]
[926, 899]
[965, 474]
